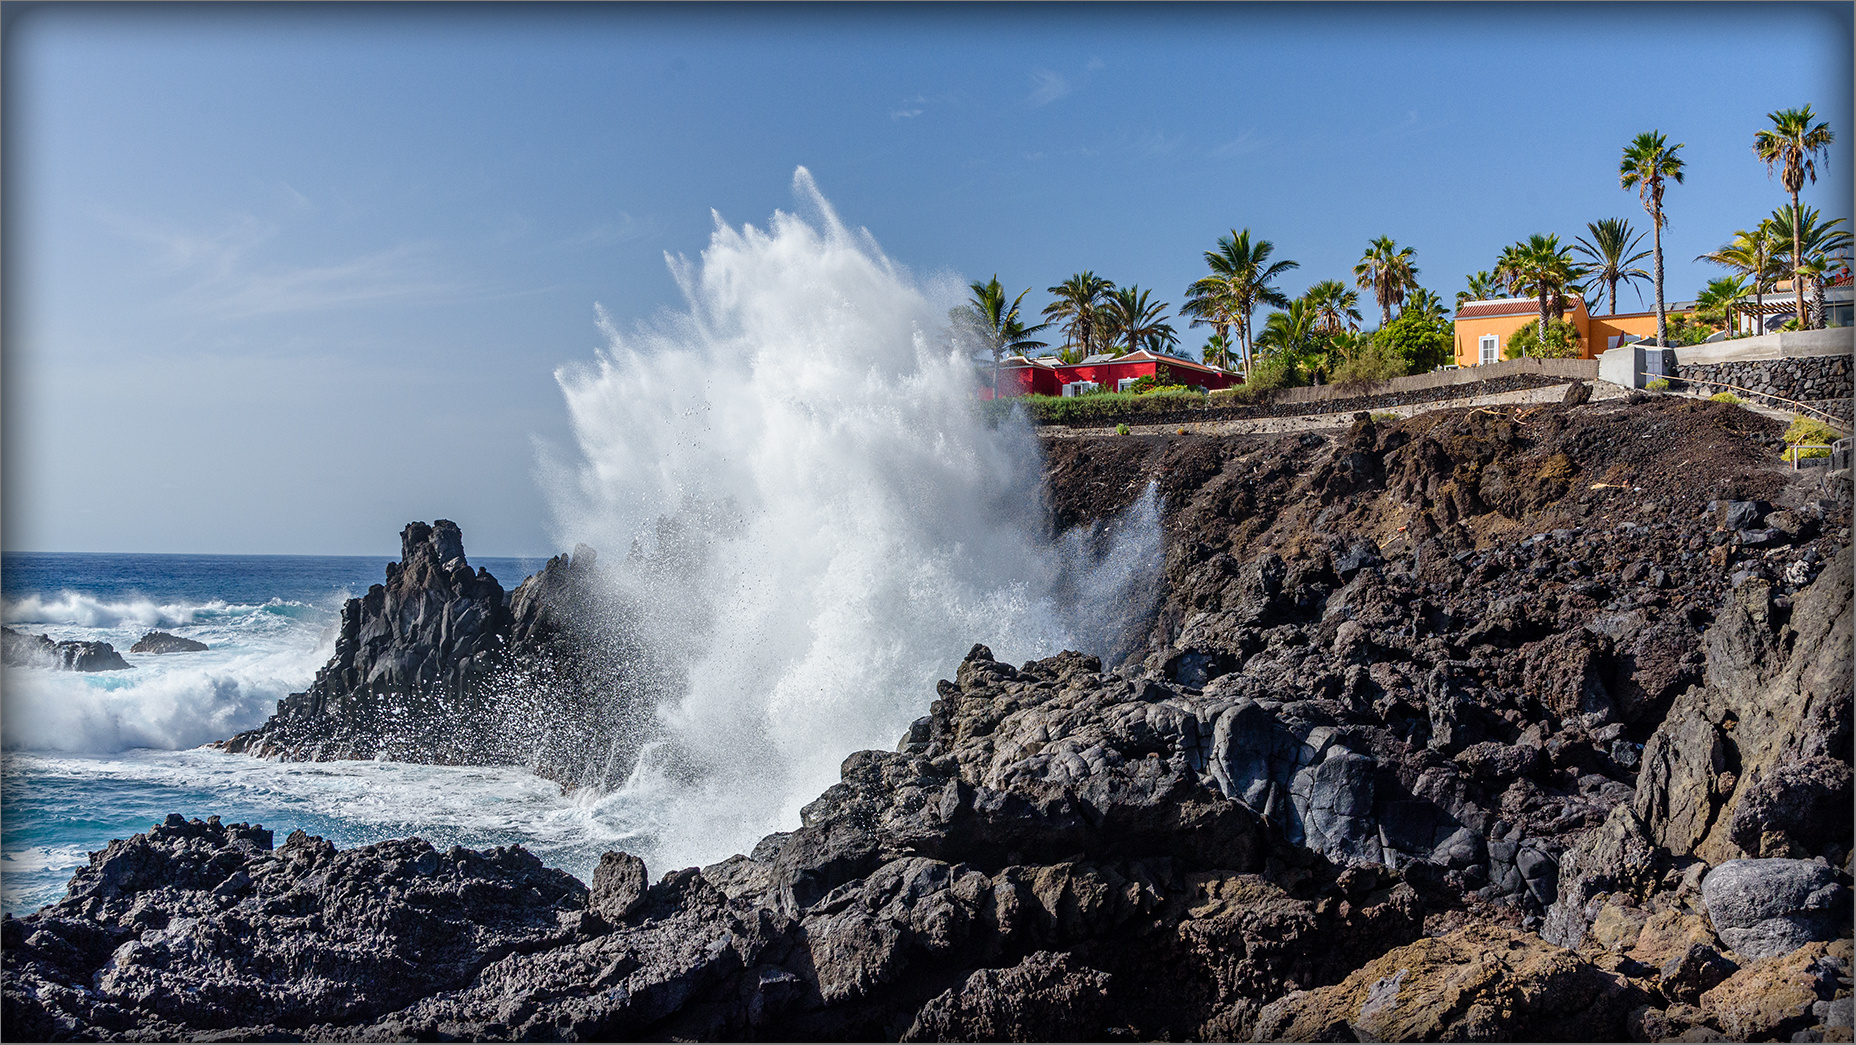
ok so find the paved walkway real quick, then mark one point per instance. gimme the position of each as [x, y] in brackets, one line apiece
[1601, 390]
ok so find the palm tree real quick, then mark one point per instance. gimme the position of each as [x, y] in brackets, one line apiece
[1217, 350]
[1540, 267]
[1752, 255]
[1422, 302]
[1792, 145]
[996, 325]
[1482, 287]
[1241, 279]
[1387, 271]
[1650, 161]
[1614, 254]
[1133, 319]
[1821, 242]
[1335, 306]
[1079, 300]
[1717, 301]
[1291, 334]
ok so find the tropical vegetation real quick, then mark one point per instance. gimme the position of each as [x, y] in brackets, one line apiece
[1648, 165]
[1791, 146]
[1387, 271]
[1241, 280]
[1614, 255]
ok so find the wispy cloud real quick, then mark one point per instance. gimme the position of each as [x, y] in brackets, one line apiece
[233, 271]
[1242, 145]
[1047, 87]
[621, 229]
[1094, 64]
[904, 114]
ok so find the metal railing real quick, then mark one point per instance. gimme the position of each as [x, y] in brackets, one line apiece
[1839, 423]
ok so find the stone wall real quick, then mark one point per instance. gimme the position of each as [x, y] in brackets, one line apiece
[1823, 382]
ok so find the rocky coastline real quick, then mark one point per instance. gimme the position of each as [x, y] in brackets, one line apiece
[1492, 724]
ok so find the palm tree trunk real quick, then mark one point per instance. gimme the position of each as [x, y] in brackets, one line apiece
[1662, 318]
[1798, 258]
[1543, 323]
[1612, 282]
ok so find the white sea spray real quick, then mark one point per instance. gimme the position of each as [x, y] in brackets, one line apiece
[821, 523]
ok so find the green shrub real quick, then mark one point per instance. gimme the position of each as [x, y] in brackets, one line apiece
[1563, 342]
[1387, 416]
[1097, 407]
[1378, 361]
[1122, 429]
[1805, 431]
[1661, 384]
[1726, 397]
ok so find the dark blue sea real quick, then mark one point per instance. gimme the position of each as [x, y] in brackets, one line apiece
[93, 756]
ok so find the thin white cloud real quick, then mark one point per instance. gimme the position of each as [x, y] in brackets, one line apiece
[1095, 64]
[621, 229]
[904, 114]
[1242, 145]
[1047, 87]
[226, 273]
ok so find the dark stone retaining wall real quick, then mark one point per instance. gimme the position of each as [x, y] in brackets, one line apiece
[1824, 382]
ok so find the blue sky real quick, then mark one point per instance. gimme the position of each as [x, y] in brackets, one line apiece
[280, 279]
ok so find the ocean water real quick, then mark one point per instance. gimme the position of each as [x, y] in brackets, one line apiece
[801, 514]
[92, 756]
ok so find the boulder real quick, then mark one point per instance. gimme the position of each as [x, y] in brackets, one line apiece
[1046, 997]
[1479, 983]
[1778, 997]
[163, 642]
[88, 656]
[1766, 908]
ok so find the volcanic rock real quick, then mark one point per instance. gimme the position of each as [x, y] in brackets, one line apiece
[39, 651]
[1765, 908]
[162, 642]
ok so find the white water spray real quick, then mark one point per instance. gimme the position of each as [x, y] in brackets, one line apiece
[802, 448]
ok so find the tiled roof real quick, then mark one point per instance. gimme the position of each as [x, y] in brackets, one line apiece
[1507, 307]
[1504, 307]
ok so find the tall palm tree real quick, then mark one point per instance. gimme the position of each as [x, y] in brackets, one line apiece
[1133, 319]
[1752, 255]
[1336, 307]
[1614, 254]
[1649, 162]
[1387, 271]
[1079, 302]
[1792, 146]
[1242, 278]
[1541, 268]
[1482, 287]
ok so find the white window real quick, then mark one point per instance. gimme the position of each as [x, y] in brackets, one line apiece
[1489, 351]
[1125, 383]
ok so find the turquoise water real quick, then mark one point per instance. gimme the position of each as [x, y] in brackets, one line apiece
[89, 757]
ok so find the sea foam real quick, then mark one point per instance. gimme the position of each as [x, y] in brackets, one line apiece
[820, 522]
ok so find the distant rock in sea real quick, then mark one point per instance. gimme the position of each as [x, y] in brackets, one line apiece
[39, 651]
[162, 642]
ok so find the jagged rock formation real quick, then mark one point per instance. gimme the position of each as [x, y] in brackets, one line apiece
[1491, 724]
[39, 651]
[163, 642]
[440, 664]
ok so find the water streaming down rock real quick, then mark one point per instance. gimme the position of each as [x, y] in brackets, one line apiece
[819, 522]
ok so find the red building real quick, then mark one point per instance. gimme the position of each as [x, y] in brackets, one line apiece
[1020, 376]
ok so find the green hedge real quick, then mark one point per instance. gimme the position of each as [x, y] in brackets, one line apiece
[1096, 407]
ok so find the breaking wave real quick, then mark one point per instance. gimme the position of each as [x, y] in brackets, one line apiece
[819, 522]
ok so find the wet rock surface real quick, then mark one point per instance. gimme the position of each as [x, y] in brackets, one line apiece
[1490, 724]
[39, 651]
[163, 642]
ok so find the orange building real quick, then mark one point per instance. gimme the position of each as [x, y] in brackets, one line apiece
[1483, 327]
